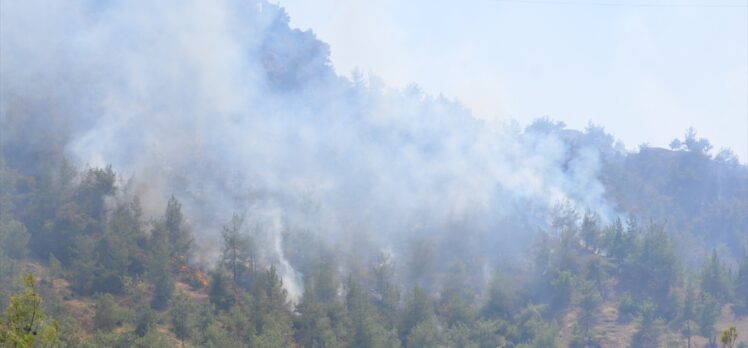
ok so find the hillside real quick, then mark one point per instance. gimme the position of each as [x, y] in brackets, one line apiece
[113, 278]
[196, 174]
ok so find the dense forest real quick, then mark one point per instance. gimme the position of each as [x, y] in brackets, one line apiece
[151, 202]
[104, 274]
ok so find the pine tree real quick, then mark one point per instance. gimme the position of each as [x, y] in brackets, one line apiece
[499, 300]
[220, 291]
[653, 269]
[714, 280]
[618, 248]
[273, 319]
[729, 337]
[741, 286]
[590, 232]
[417, 309]
[707, 315]
[688, 314]
[25, 324]
[456, 303]
[649, 327]
[366, 326]
[109, 314]
[589, 301]
[180, 239]
[97, 184]
[160, 267]
[238, 320]
[313, 326]
[237, 254]
[84, 265]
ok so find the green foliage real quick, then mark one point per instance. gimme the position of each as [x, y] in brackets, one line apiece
[459, 335]
[595, 272]
[701, 198]
[272, 316]
[25, 324]
[627, 307]
[324, 280]
[715, 281]
[707, 315]
[109, 314]
[688, 314]
[729, 337]
[499, 303]
[55, 267]
[220, 291]
[13, 239]
[269, 292]
[649, 327]
[689, 304]
[544, 337]
[741, 286]
[456, 302]
[582, 338]
[669, 310]
[588, 302]
[318, 323]
[690, 143]
[489, 333]
[123, 239]
[152, 339]
[367, 330]
[530, 326]
[96, 185]
[237, 256]
[145, 321]
[275, 331]
[562, 287]
[590, 231]
[93, 234]
[566, 254]
[619, 244]
[84, 265]
[215, 336]
[162, 291]
[238, 320]
[159, 268]
[183, 313]
[425, 335]
[179, 236]
[652, 269]
[417, 309]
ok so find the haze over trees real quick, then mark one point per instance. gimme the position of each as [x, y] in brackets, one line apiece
[254, 198]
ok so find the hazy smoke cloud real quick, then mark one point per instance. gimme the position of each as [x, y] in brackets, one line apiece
[221, 104]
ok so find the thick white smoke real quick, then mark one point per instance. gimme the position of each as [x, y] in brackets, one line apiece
[221, 104]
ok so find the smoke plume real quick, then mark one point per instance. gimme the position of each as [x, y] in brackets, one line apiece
[223, 105]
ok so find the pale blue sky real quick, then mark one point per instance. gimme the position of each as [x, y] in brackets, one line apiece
[644, 70]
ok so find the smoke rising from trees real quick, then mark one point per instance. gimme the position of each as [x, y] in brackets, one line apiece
[221, 104]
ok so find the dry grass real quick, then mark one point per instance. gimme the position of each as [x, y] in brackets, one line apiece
[187, 290]
[83, 311]
[726, 320]
[613, 333]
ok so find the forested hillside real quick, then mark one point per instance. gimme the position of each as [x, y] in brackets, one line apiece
[109, 276]
[246, 195]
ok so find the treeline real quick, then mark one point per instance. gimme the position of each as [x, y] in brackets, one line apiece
[701, 195]
[95, 238]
